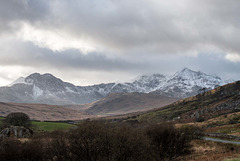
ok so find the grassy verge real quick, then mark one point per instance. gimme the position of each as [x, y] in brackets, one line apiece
[51, 126]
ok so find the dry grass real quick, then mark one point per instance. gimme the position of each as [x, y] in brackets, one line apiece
[23, 140]
[211, 151]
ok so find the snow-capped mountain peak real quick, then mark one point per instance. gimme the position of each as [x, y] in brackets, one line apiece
[188, 82]
[198, 78]
[46, 82]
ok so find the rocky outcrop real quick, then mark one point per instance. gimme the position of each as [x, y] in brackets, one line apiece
[16, 132]
[228, 105]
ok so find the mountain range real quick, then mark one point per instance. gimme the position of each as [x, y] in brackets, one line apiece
[47, 89]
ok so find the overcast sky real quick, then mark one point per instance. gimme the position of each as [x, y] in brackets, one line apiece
[94, 41]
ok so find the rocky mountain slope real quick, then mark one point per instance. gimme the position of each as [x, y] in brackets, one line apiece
[48, 89]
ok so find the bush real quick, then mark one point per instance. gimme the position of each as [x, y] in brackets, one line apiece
[200, 119]
[17, 119]
[13, 150]
[169, 142]
[95, 141]
[131, 144]
[90, 142]
[193, 132]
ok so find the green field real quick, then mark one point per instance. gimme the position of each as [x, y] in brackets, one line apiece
[1, 118]
[48, 126]
[51, 126]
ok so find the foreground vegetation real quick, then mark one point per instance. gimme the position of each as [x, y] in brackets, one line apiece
[105, 140]
[99, 141]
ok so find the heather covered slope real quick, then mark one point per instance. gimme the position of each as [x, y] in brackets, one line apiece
[219, 101]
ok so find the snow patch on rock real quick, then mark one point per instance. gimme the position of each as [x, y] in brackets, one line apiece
[37, 92]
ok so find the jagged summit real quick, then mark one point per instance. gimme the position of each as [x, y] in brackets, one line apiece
[190, 77]
[187, 82]
[182, 71]
[188, 73]
[39, 77]
[46, 88]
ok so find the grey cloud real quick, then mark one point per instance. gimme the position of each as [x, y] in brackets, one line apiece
[27, 54]
[13, 12]
[137, 25]
[149, 26]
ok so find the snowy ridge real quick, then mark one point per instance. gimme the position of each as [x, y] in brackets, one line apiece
[46, 88]
[20, 80]
[186, 83]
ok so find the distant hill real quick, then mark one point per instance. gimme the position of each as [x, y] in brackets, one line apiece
[219, 101]
[122, 103]
[42, 112]
[47, 89]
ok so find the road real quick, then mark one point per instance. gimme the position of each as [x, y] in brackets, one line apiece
[221, 140]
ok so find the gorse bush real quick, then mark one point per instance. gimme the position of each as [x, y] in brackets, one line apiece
[96, 141]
